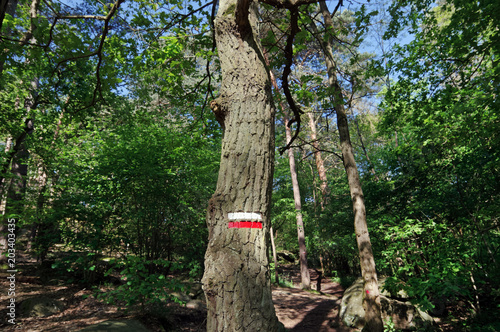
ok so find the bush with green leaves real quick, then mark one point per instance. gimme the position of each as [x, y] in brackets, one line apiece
[139, 286]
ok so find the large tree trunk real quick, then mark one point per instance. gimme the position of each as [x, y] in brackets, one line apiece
[371, 300]
[236, 280]
[305, 277]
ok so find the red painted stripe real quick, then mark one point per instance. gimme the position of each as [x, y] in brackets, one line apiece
[244, 224]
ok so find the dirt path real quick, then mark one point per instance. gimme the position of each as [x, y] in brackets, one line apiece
[302, 311]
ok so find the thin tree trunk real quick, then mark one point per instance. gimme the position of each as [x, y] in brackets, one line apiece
[236, 280]
[305, 277]
[304, 270]
[275, 258]
[320, 164]
[371, 294]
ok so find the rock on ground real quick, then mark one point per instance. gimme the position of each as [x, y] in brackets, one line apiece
[40, 306]
[131, 325]
[403, 314]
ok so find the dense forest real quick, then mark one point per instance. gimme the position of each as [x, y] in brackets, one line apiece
[148, 145]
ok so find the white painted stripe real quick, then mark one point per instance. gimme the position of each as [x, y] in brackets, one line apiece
[249, 216]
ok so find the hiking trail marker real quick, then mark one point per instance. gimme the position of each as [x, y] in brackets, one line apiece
[244, 220]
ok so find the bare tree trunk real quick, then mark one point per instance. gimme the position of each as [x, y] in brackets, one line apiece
[305, 278]
[320, 165]
[236, 280]
[275, 258]
[371, 299]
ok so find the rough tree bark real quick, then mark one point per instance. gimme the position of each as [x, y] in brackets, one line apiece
[371, 300]
[305, 277]
[236, 280]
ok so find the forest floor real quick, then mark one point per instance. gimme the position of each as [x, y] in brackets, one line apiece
[303, 311]
[298, 310]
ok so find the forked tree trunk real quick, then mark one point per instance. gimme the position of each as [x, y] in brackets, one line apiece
[371, 294]
[305, 278]
[236, 280]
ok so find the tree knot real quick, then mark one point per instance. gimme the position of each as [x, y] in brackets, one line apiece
[219, 109]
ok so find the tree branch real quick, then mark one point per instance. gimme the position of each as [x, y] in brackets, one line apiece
[294, 28]
[184, 16]
[310, 143]
[288, 4]
[105, 31]
[97, 53]
[70, 17]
